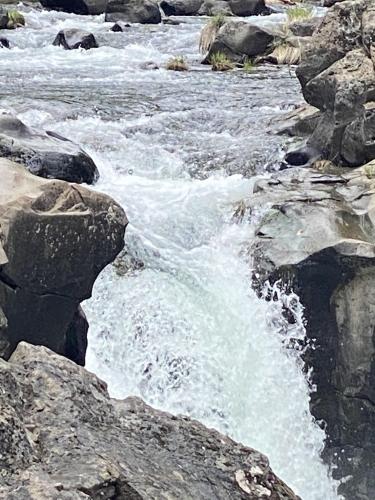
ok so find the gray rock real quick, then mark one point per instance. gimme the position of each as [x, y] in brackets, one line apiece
[55, 239]
[181, 7]
[46, 154]
[75, 39]
[64, 438]
[248, 7]
[133, 11]
[318, 237]
[304, 28]
[239, 40]
[92, 7]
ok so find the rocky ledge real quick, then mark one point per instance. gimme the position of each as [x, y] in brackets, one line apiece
[55, 238]
[64, 438]
[317, 235]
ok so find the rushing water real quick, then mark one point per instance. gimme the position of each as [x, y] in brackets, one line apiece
[182, 329]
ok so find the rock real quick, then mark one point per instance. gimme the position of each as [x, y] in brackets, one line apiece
[133, 11]
[318, 236]
[97, 447]
[4, 43]
[214, 8]
[11, 19]
[93, 7]
[171, 22]
[181, 7]
[337, 76]
[120, 26]
[239, 40]
[46, 154]
[248, 7]
[305, 27]
[55, 239]
[329, 3]
[75, 39]
[301, 121]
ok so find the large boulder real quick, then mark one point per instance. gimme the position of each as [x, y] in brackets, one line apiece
[75, 39]
[337, 76]
[318, 237]
[248, 7]
[239, 40]
[46, 154]
[133, 11]
[181, 7]
[55, 239]
[93, 7]
[64, 438]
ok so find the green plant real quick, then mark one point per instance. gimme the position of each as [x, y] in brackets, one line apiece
[248, 66]
[209, 32]
[299, 13]
[177, 63]
[15, 19]
[221, 62]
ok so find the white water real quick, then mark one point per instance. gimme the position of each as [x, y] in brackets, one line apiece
[185, 332]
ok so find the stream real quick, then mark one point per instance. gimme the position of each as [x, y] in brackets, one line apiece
[176, 321]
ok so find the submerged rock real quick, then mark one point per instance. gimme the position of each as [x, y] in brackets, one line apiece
[97, 447]
[120, 26]
[318, 236]
[55, 239]
[92, 7]
[75, 39]
[45, 154]
[133, 11]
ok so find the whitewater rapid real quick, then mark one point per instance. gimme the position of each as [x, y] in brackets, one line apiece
[182, 328]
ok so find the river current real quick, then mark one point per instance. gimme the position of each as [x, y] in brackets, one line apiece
[175, 321]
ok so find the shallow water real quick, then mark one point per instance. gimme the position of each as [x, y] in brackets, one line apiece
[179, 151]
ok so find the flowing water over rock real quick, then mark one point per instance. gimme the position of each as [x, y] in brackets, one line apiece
[176, 320]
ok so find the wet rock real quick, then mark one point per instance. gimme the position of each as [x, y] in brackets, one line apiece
[55, 239]
[45, 154]
[337, 76]
[181, 7]
[11, 19]
[97, 447]
[171, 22]
[120, 26]
[133, 11]
[75, 39]
[319, 238]
[239, 40]
[92, 7]
[4, 43]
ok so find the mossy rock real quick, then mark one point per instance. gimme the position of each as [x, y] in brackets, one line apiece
[14, 20]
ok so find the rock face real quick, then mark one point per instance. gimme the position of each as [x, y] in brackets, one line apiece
[318, 236]
[337, 76]
[55, 239]
[75, 39]
[133, 11]
[46, 154]
[239, 40]
[64, 438]
[93, 7]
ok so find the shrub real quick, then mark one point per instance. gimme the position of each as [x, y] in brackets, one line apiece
[299, 13]
[177, 63]
[15, 19]
[221, 62]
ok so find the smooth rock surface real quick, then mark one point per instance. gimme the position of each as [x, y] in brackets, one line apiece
[133, 11]
[45, 154]
[92, 7]
[55, 239]
[318, 237]
[64, 438]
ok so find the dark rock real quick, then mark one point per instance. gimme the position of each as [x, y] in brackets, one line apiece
[4, 43]
[181, 7]
[248, 7]
[55, 239]
[239, 40]
[120, 26]
[46, 154]
[319, 237]
[329, 3]
[75, 39]
[304, 28]
[303, 156]
[171, 22]
[133, 11]
[93, 7]
[214, 8]
[97, 447]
